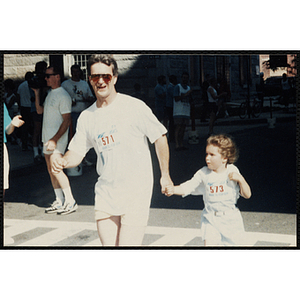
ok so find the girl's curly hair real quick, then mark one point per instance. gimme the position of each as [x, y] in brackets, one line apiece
[226, 145]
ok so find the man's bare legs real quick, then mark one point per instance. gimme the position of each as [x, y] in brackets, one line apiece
[113, 233]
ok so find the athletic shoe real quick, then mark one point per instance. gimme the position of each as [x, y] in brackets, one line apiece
[55, 207]
[87, 163]
[69, 208]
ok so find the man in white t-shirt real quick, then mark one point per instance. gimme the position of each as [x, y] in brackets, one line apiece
[56, 121]
[80, 93]
[118, 127]
[82, 97]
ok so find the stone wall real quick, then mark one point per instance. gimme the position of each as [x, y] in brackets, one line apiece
[16, 65]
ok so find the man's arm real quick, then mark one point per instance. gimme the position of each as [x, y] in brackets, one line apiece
[163, 155]
[39, 108]
[51, 144]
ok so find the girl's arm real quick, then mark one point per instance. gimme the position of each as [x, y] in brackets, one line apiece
[245, 190]
[174, 190]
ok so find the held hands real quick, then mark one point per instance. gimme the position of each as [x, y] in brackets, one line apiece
[166, 182]
[58, 165]
[170, 190]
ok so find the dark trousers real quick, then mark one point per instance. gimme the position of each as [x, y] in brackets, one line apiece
[26, 128]
[171, 129]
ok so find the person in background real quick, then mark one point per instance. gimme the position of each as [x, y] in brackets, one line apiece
[286, 89]
[56, 123]
[24, 98]
[213, 98]
[39, 82]
[81, 95]
[13, 107]
[160, 99]
[181, 110]
[169, 106]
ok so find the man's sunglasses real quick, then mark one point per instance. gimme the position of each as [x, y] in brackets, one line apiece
[106, 77]
[48, 75]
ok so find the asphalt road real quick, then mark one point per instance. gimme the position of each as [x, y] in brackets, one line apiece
[267, 161]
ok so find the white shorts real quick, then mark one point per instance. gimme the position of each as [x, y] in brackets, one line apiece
[134, 218]
[60, 148]
[5, 168]
[227, 229]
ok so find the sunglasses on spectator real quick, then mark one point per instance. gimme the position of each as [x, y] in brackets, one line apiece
[106, 77]
[48, 75]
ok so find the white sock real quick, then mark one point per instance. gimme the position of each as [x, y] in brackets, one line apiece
[68, 195]
[59, 195]
[35, 151]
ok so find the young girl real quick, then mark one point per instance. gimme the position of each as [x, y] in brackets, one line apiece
[220, 183]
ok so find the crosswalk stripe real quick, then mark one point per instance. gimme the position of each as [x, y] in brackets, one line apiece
[62, 232]
[52, 237]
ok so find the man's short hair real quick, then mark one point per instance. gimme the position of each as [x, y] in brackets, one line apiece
[77, 67]
[106, 59]
[56, 69]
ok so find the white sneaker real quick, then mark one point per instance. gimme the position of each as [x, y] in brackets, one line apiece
[68, 208]
[55, 207]
[87, 163]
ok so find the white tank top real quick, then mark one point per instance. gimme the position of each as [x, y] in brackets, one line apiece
[210, 98]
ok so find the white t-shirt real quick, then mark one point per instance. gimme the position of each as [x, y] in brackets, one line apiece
[25, 96]
[119, 133]
[79, 92]
[210, 97]
[182, 108]
[219, 192]
[58, 102]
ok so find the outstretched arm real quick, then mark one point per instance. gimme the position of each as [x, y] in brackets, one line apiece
[163, 155]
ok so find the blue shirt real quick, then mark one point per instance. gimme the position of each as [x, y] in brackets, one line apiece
[7, 121]
[170, 95]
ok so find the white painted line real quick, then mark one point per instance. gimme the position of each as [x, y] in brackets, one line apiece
[170, 236]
